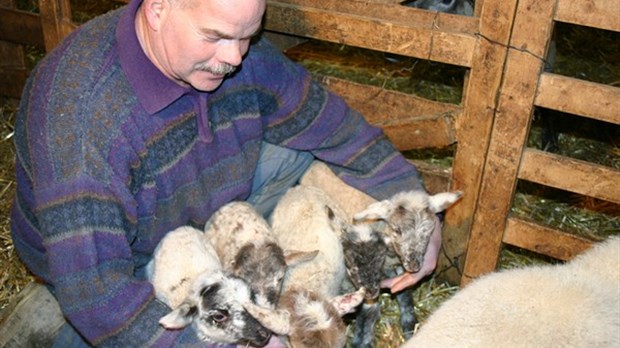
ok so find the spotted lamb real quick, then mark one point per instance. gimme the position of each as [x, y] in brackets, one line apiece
[310, 308]
[247, 247]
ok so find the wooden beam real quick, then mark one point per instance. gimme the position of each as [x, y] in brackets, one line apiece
[21, 27]
[571, 175]
[55, 21]
[383, 105]
[544, 240]
[418, 133]
[323, 20]
[584, 98]
[510, 129]
[475, 124]
[389, 11]
[432, 125]
[603, 14]
[14, 81]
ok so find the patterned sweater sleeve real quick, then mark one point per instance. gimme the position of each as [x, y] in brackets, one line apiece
[74, 218]
[310, 117]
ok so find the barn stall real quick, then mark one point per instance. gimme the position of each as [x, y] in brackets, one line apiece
[462, 96]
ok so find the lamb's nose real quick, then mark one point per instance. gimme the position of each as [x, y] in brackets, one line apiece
[264, 333]
[263, 336]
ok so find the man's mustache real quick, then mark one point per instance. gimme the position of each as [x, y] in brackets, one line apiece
[220, 69]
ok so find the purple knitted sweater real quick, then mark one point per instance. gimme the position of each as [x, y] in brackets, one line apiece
[111, 155]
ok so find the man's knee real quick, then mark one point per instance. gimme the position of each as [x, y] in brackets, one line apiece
[278, 169]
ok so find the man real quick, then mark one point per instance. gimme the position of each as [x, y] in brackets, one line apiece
[151, 117]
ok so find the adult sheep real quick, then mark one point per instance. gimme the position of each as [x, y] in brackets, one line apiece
[575, 304]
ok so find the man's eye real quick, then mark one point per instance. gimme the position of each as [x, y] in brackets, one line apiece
[211, 38]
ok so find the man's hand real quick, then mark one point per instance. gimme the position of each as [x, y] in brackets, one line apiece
[408, 279]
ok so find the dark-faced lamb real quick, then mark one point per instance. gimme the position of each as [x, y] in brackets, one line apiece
[247, 248]
[374, 252]
[411, 219]
[310, 309]
[187, 276]
[411, 216]
[575, 304]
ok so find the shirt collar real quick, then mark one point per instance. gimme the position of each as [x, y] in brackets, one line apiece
[155, 91]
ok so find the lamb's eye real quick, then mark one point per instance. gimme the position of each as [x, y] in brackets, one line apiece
[220, 316]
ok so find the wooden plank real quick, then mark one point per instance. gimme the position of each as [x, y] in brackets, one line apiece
[383, 105]
[13, 71]
[474, 128]
[14, 81]
[375, 33]
[478, 7]
[432, 125]
[544, 240]
[436, 179]
[579, 97]
[20, 27]
[571, 175]
[7, 3]
[55, 21]
[418, 133]
[391, 12]
[510, 129]
[395, 2]
[603, 14]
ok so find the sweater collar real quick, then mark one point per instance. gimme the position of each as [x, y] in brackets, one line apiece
[155, 91]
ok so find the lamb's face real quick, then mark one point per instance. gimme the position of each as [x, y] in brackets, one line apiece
[263, 267]
[364, 254]
[412, 220]
[215, 309]
[410, 231]
[308, 320]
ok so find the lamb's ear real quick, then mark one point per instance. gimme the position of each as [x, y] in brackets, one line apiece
[442, 201]
[180, 317]
[376, 211]
[295, 257]
[348, 302]
[276, 320]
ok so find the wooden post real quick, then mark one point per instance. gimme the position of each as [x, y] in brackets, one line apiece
[13, 64]
[473, 127]
[56, 21]
[524, 64]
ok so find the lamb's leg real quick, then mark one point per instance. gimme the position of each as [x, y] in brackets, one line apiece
[408, 318]
[363, 336]
[404, 298]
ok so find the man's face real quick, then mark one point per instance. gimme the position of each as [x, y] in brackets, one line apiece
[200, 43]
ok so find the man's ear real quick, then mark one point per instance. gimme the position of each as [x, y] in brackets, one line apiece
[155, 12]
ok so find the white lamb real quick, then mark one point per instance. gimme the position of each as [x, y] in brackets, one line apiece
[187, 276]
[248, 249]
[576, 304]
[309, 311]
[178, 259]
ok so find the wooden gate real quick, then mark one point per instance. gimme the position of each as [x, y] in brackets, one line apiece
[524, 87]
